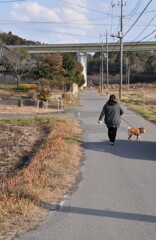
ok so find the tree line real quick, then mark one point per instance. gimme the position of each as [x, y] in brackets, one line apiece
[141, 65]
[51, 69]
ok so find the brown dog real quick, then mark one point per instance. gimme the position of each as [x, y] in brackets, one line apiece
[136, 132]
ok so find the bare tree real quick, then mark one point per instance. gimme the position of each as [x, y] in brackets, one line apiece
[18, 62]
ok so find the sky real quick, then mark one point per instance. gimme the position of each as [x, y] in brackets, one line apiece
[79, 21]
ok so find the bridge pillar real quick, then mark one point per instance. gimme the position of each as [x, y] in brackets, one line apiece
[82, 58]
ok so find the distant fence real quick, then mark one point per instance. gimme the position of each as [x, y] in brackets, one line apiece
[55, 103]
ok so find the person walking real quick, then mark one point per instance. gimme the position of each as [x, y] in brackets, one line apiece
[111, 113]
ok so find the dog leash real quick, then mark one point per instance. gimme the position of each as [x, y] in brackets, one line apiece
[126, 122]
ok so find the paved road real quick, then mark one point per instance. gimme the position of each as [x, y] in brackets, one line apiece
[116, 197]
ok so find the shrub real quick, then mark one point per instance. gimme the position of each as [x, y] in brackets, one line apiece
[44, 94]
[67, 96]
[32, 94]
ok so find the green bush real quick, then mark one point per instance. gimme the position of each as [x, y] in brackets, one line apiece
[27, 87]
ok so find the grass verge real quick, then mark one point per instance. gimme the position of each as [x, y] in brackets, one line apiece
[141, 100]
[28, 193]
[147, 111]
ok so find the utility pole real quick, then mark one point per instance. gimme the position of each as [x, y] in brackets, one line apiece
[120, 36]
[128, 79]
[121, 51]
[107, 75]
[101, 64]
[100, 82]
[102, 60]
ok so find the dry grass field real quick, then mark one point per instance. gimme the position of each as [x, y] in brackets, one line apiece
[25, 110]
[39, 163]
[140, 98]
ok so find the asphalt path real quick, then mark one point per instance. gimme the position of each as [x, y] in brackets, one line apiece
[115, 198]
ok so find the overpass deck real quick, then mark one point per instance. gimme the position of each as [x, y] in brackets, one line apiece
[87, 47]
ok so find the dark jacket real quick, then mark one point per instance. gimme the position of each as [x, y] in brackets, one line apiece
[112, 114]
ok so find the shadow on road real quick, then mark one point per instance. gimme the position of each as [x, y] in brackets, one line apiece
[110, 214]
[140, 150]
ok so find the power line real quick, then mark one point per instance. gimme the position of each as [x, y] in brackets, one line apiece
[149, 24]
[55, 22]
[68, 22]
[148, 35]
[80, 6]
[136, 8]
[137, 18]
[12, 1]
[61, 33]
[137, 43]
[134, 11]
[144, 28]
[52, 22]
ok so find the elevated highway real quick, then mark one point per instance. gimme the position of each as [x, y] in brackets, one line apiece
[87, 47]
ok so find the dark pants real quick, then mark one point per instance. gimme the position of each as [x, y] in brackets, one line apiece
[112, 133]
